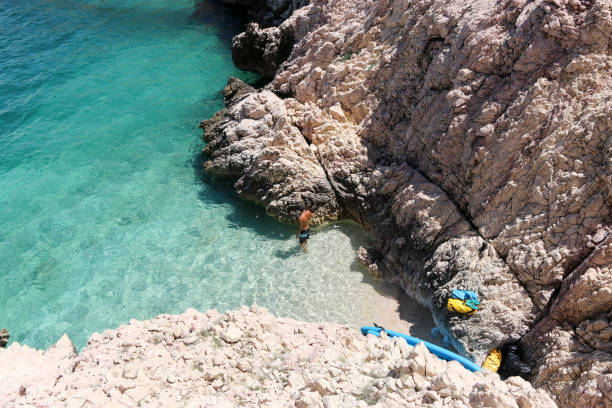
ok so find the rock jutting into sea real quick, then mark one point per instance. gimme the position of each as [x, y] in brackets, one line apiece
[262, 50]
[275, 165]
[4, 337]
[473, 139]
[248, 358]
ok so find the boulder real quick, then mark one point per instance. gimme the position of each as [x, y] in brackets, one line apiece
[262, 49]
[253, 140]
[231, 335]
[4, 337]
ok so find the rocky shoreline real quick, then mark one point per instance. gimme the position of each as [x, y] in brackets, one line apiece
[472, 139]
[247, 358]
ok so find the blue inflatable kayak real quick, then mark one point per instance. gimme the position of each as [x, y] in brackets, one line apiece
[413, 341]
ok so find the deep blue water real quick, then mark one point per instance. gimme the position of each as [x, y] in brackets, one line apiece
[104, 213]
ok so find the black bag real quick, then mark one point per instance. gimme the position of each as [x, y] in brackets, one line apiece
[511, 364]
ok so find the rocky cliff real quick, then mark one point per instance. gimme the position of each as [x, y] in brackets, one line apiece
[474, 140]
[247, 358]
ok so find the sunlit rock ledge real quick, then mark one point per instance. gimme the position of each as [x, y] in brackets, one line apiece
[247, 358]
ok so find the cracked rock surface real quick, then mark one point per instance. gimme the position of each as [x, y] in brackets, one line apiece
[474, 139]
[248, 358]
[253, 141]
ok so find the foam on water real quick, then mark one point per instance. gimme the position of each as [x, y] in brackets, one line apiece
[105, 215]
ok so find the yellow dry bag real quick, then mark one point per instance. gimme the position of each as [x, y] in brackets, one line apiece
[493, 360]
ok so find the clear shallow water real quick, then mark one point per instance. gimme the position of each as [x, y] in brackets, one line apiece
[103, 212]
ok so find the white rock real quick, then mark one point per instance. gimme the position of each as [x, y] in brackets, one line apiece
[98, 398]
[130, 371]
[218, 383]
[243, 366]
[177, 332]
[75, 402]
[213, 374]
[311, 365]
[231, 335]
[190, 340]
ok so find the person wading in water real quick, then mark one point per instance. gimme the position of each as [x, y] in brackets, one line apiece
[304, 222]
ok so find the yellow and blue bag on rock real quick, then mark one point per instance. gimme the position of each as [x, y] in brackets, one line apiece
[463, 301]
[459, 306]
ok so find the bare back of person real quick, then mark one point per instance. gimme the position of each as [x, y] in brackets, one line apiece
[304, 225]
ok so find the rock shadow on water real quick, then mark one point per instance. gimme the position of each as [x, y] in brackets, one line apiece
[228, 20]
[216, 191]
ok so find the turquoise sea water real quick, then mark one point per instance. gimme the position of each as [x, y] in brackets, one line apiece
[104, 213]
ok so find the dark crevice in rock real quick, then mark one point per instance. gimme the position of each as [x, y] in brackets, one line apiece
[338, 197]
[308, 142]
[580, 268]
[283, 94]
[544, 313]
[339, 200]
[555, 294]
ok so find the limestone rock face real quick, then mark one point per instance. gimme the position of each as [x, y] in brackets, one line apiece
[577, 372]
[253, 141]
[247, 358]
[474, 139]
[572, 346]
[587, 291]
[430, 249]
